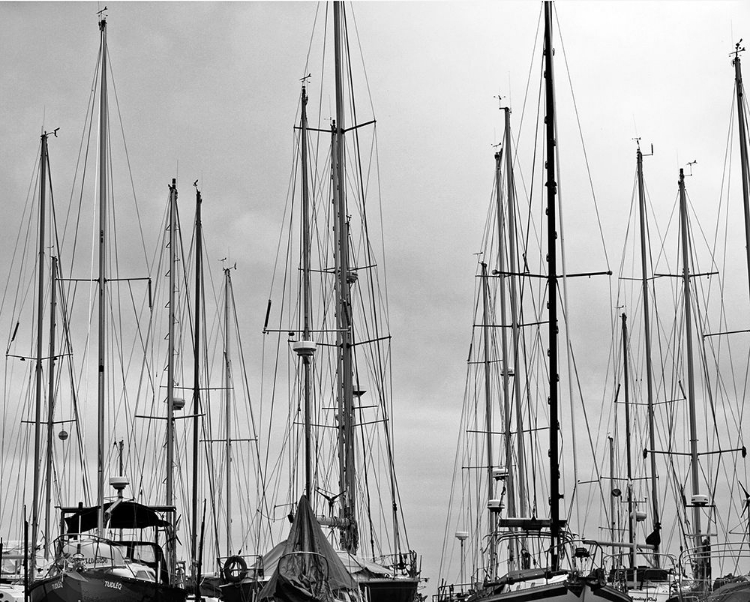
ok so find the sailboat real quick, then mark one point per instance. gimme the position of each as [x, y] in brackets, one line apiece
[21, 560]
[104, 553]
[332, 335]
[636, 561]
[701, 500]
[542, 558]
[715, 560]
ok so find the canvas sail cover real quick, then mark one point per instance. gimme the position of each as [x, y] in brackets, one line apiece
[118, 515]
[309, 569]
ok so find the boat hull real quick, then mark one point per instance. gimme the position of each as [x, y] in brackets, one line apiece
[373, 590]
[390, 590]
[244, 591]
[98, 586]
[559, 591]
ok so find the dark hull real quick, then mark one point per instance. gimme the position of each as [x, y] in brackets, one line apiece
[101, 586]
[390, 590]
[373, 590]
[244, 591]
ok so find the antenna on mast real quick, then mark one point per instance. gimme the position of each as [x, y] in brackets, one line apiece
[638, 144]
[737, 49]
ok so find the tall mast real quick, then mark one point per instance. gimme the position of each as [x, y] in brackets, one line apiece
[306, 302]
[612, 532]
[514, 318]
[228, 408]
[102, 281]
[627, 436]
[505, 365]
[488, 418]
[343, 303]
[171, 560]
[689, 353]
[647, 333]
[503, 334]
[743, 151]
[38, 367]
[552, 291]
[51, 407]
[196, 383]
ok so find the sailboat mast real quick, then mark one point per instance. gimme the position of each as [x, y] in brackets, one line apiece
[552, 291]
[343, 306]
[102, 282]
[510, 483]
[196, 382]
[38, 367]
[612, 531]
[514, 318]
[488, 418]
[627, 436]
[171, 561]
[689, 353]
[306, 300]
[51, 407]
[227, 408]
[647, 334]
[743, 151]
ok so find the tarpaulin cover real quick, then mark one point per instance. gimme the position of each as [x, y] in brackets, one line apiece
[309, 569]
[125, 515]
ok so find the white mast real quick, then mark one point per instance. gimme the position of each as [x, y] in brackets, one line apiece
[694, 472]
[647, 333]
[227, 410]
[488, 419]
[51, 408]
[38, 367]
[171, 561]
[515, 318]
[102, 281]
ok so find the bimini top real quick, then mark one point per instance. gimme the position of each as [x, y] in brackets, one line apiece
[117, 515]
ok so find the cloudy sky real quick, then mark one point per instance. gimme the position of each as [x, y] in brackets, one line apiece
[209, 91]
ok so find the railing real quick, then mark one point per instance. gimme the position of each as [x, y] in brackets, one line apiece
[77, 552]
[580, 559]
[706, 568]
[237, 568]
[453, 592]
[404, 564]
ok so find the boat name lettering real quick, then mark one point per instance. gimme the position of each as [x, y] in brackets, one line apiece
[57, 584]
[113, 584]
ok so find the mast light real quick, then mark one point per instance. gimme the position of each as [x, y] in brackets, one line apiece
[304, 348]
[495, 505]
[500, 474]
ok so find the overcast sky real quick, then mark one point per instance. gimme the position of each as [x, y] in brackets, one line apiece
[209, 91]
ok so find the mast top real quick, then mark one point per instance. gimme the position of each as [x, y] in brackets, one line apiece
[638, 145]
[102, 19]
[737, 49]
[53, 132]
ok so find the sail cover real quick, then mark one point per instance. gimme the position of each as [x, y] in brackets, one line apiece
[309, 569]
[117, 515]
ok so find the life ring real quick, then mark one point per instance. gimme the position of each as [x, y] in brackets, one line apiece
[235, 569]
